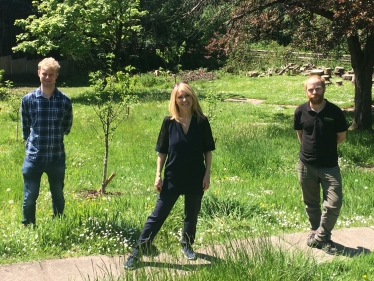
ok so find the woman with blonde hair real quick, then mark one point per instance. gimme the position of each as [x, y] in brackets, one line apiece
[185, 144]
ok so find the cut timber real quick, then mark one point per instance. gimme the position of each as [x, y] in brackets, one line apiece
[339, 83]
[339, 71]
[349, 77]
[318, 72]
[327, 71]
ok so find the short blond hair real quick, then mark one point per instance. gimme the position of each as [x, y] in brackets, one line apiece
[49, 63]
[318, 78]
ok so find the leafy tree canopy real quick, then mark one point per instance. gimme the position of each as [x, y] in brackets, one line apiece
[81, 30]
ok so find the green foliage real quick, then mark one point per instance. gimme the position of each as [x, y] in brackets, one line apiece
[3, 90]
[254, 189]
[14, 101]
[170, 54]
[110, 99]
[12, 97]
[84, 31]
[309, 26]
[218, 207]
[212, 100]
[269, 54]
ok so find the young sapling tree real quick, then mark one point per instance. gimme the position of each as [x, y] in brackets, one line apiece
[111, 102]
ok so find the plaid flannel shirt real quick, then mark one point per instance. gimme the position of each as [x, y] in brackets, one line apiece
[44, 124]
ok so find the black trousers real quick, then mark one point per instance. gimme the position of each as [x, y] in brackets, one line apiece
[164, 204]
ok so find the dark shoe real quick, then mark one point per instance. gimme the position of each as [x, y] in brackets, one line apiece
[327, 246]
[29, 225]
[149, 251]
[131, 262]
[311, 237]
[189, 253]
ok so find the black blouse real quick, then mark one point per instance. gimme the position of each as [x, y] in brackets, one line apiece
[185, 163]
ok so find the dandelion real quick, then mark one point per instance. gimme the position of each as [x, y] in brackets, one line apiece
[8, 189]
[11, 202]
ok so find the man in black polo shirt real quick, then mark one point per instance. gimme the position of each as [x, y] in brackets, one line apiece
[320, 127]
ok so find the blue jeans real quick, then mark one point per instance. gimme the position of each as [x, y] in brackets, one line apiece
[32, 173]
[312, 180]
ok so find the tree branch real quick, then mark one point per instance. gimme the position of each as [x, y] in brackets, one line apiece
[300, 4]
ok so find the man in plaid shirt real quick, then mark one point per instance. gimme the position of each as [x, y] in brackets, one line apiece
[46, 117]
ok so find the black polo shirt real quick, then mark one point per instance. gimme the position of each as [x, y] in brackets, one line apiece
[319, 133]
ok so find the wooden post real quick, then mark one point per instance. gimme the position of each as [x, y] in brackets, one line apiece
[106, 183]
[109, 179]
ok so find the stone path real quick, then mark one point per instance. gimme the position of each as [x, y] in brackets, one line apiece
[354, 241]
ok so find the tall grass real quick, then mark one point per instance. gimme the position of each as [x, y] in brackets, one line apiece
[254, 190]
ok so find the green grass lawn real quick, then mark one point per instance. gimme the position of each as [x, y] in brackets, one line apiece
[254, 190]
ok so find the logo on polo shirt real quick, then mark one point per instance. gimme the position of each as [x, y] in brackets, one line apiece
[329, 119]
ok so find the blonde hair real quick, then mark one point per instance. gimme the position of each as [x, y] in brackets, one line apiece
[320, 79]
[184, 87]
[49, 63]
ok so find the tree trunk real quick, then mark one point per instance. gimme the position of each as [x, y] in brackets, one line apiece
[118, 46]
[106, 155]
[362, 61]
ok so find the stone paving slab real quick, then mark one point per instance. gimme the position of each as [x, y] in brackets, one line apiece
[353, 242]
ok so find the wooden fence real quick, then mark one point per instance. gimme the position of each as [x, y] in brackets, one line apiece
[22, 66]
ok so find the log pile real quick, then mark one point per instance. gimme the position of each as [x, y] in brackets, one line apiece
[309, 69]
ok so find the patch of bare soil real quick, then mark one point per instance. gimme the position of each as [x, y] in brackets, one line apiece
[93, 194]
[253, 101]
[256, 101]
[353, 108]
[367, 168]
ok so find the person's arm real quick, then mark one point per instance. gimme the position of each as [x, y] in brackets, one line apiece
[161, 157]
[299, 134]
[340, 137]
[208, 164]
[25, 121]
[68, 118]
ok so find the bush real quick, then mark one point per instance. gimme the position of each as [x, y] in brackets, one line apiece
[5, 89]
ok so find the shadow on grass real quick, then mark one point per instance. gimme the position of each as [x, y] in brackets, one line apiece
[185, 267]
[358, 149]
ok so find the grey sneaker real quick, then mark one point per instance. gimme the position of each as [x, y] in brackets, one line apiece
[189, 253]
[131, 262]
[327, 246]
